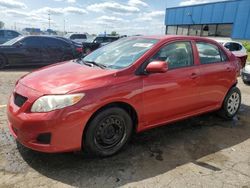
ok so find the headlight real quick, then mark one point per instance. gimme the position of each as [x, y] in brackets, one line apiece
[52, 102]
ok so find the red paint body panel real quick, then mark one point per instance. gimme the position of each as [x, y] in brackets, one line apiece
[157, 98]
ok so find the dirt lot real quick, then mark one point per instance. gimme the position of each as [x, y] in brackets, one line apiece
[205, 151]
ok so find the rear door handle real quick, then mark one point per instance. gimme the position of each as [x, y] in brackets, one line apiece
[229, 69]
[194, 75]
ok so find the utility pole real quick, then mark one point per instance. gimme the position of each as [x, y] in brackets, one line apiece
[49, 19]
[64, 30]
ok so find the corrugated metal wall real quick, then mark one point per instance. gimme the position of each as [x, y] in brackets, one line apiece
[236, 12]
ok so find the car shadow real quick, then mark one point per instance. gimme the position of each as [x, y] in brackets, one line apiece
[148, 154]
[27, 68]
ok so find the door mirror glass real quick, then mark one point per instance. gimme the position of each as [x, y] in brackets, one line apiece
[19, 44]
[157, 67]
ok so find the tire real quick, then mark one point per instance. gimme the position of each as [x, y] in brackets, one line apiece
[3, 62]
[108, 132]
[231, 104]
[246, 82]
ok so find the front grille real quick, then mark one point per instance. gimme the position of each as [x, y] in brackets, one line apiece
[19, 100]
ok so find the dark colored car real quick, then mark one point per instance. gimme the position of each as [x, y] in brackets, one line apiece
[6, 35]
[37, 50]
[77, 46]
[245, 74]
[97, 43]
[130, 85]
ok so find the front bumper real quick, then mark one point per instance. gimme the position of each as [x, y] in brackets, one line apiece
[64, 126]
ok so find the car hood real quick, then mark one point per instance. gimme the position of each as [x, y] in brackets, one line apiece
[65, 77]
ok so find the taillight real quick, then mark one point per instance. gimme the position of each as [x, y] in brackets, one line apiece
[79, 50]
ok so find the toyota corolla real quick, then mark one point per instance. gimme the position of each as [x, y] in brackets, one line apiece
[134, 84]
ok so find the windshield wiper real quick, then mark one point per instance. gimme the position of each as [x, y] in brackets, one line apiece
[95, 64]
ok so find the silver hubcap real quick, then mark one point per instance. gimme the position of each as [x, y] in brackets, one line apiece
[233, 103]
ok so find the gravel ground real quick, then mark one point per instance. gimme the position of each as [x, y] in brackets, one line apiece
[204, 151]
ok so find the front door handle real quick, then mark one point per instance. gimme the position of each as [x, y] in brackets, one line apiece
[194, 75]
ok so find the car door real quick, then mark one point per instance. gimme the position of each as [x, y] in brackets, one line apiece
[215, 74]
[2, 37]
[54, 50]
[171, 95]
[28, 51]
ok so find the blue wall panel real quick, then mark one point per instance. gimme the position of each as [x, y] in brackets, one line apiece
[197, 12]
[171, 17]
[179, 18]
[188, 12]
[230, 12]
[247, 33]
[236, 12]
[218, 13]
[241, 20]
[207, 14]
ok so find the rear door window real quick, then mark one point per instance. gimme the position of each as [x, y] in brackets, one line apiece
[55, 43]
[31, 42]
[208, 53]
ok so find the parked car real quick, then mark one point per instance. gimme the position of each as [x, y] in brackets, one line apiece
[90, 46]
[6, 35]
[36, 50]
[237, 49]
[77, 37]
[245, 74]
[133, 84]
[77, 46]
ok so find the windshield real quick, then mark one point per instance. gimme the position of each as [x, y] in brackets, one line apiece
[12, 41]
[78, 36]
[122, 53]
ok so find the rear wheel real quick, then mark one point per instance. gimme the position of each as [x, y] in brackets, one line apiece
[231, 104]
[108, 132]
[2, 62]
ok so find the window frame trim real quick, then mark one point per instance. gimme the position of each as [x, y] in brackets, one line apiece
[142, 67]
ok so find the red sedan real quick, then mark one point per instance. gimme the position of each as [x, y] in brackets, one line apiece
[130, 85]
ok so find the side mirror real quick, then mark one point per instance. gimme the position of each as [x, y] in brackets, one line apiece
[157, 67]
[19, 44]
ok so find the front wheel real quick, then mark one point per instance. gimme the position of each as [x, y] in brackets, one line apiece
[108, 132]
[231, 104]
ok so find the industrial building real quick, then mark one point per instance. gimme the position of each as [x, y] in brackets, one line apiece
[221, 19]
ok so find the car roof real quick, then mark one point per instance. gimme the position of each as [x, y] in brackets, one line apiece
[175, 37]
[49, 36]
[8, 30]
[107, 37]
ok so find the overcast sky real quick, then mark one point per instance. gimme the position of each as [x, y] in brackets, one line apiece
[92, 16]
